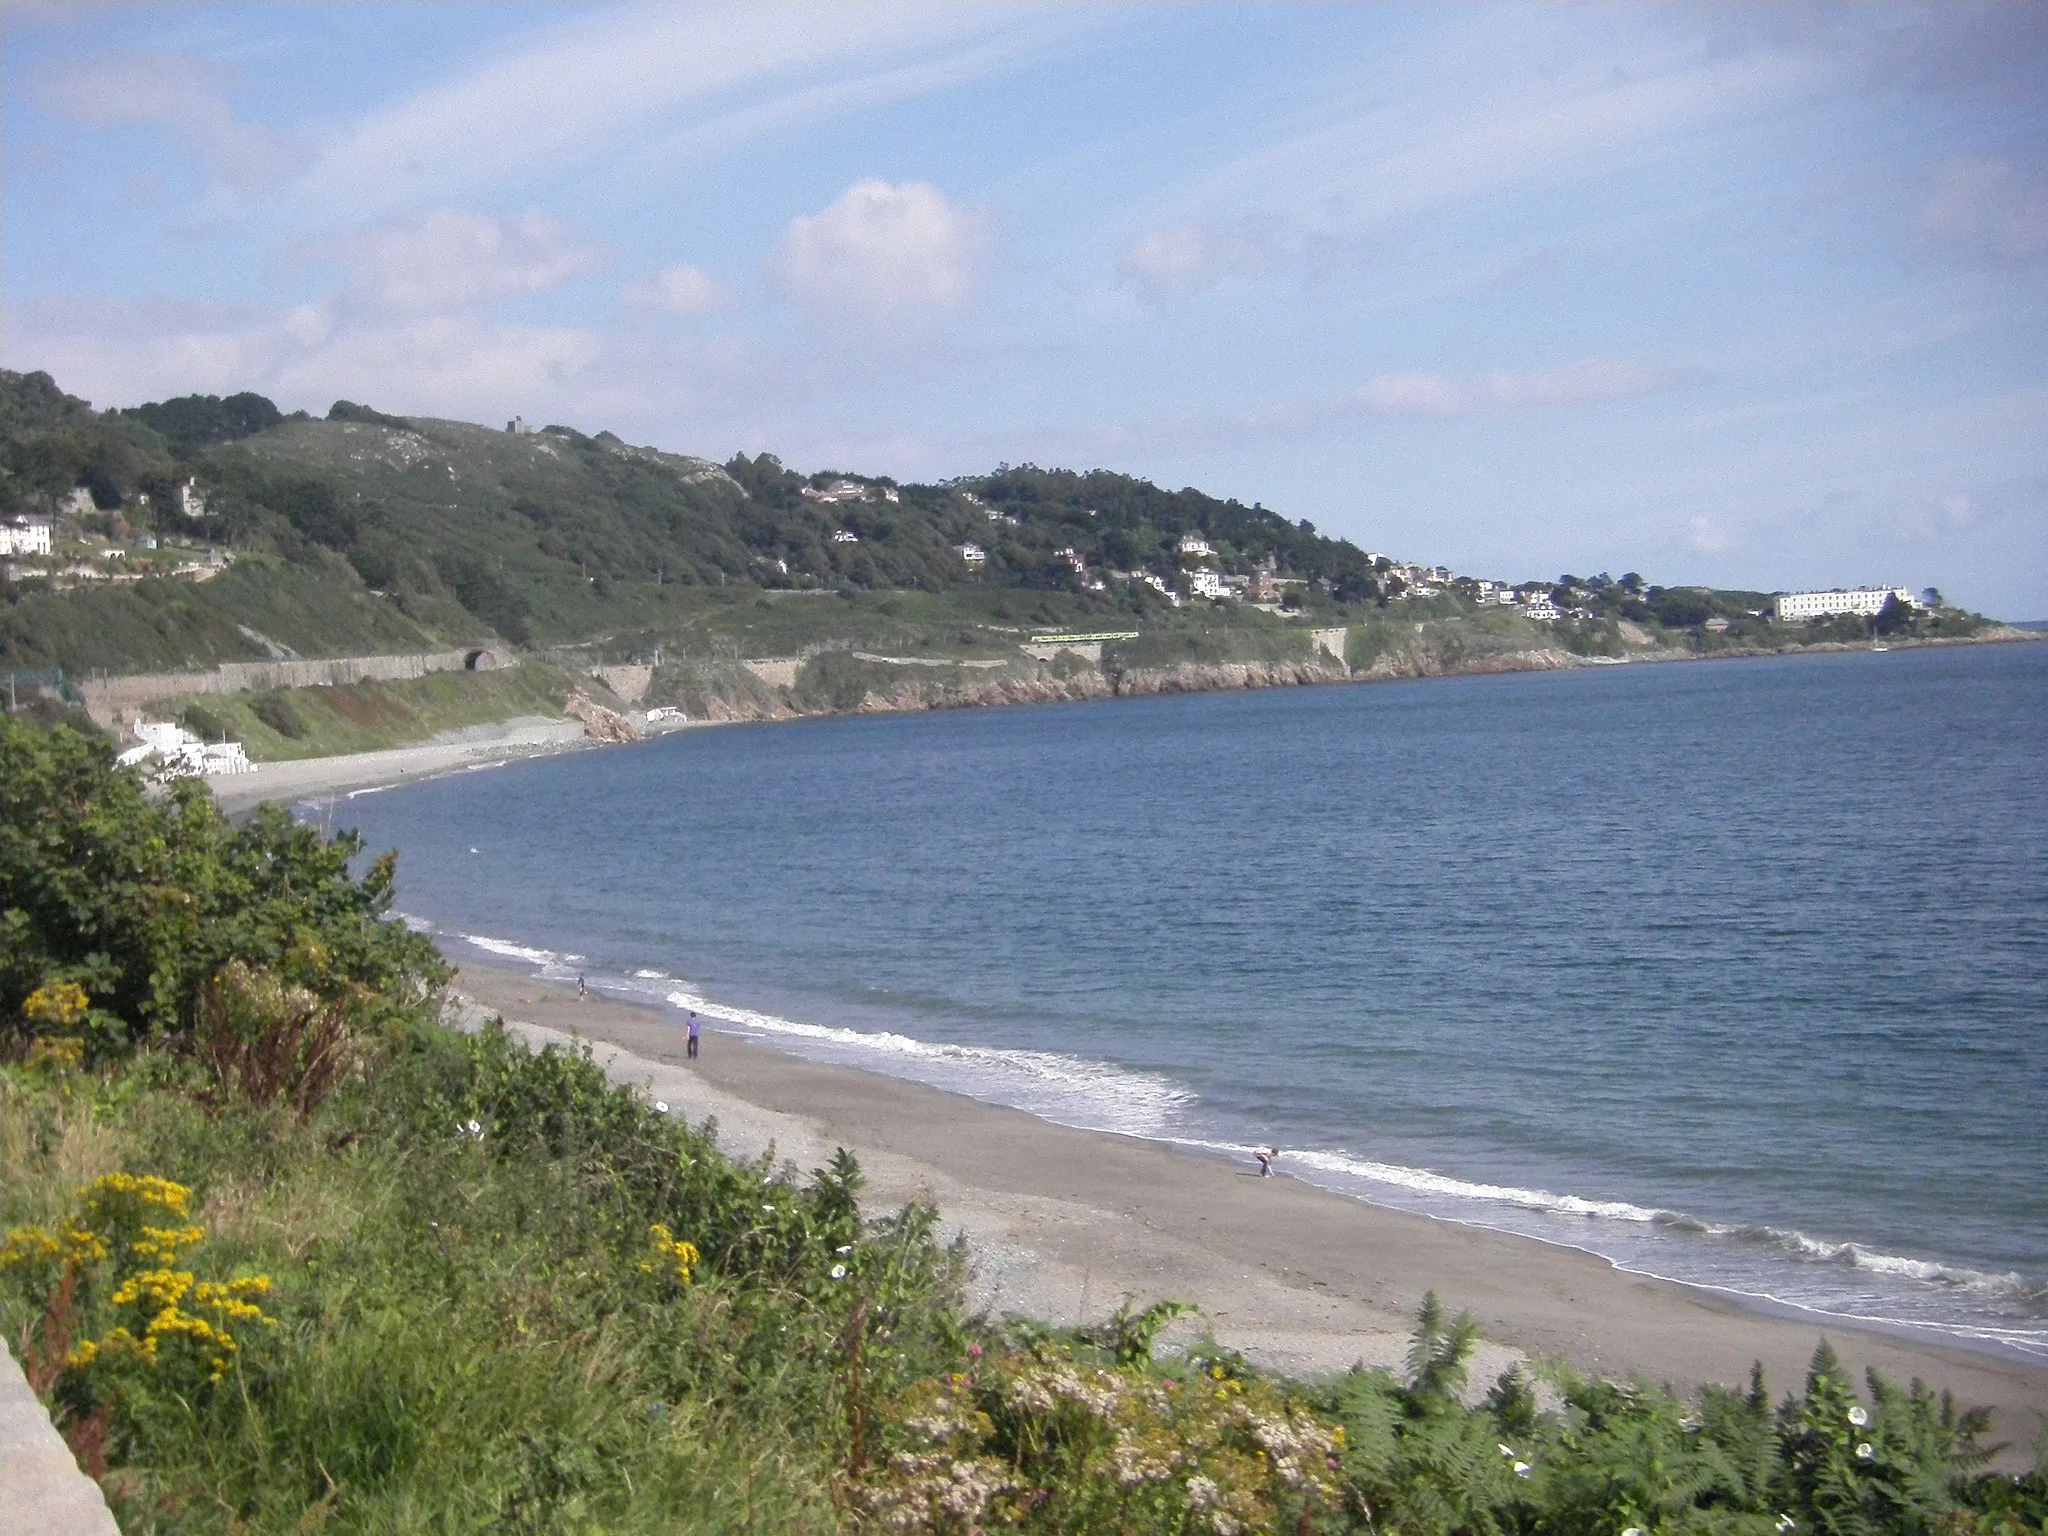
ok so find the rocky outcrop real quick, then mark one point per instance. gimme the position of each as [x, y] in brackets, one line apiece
[1420, 660]
[599, 723]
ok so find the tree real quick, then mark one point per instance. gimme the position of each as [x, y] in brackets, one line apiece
[1895, 617]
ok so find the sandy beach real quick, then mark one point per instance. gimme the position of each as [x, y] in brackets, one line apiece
[1065, 1224]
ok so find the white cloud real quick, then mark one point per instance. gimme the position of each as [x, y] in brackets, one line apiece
[458, 364]
[1991, 206]
[1588, 382]
[686, 291]
[881, 251]
[1715, 533]
[1191, 255]
[451, 259]
[182, 96]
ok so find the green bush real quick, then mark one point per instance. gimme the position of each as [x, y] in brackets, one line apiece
[141, 902]
[275, 710]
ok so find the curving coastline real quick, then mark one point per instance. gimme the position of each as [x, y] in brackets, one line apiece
[1064, 1224]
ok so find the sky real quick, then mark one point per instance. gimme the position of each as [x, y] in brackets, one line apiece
[1751, 296]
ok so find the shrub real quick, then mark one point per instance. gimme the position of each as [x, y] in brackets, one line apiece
[275, 710]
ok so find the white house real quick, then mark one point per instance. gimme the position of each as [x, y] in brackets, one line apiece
[181, 755]
[518, 428]
[25, 536]
[834, 491]
[1540, 608]
[1206, 583]
[973, 553]
[1194, 547]
[1818, 605]
[846, 536]
[191, 500]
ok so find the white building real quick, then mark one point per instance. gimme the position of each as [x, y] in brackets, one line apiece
[973, 553]
[518, 428]
[1194, 547]
[181, 755]
[846, 536]
[1206, 583]
[835, 491]
[25, 536]
[1541, 609]
[191, 500]
[1818, 605]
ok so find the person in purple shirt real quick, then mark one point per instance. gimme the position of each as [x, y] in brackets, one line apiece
[693, 1035]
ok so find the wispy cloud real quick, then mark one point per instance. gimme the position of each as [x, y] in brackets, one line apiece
[1492, 125]
[1591, 381]
[684, 291]
[1993, 207]
[182, 96]
[582, 90]
[452, 259]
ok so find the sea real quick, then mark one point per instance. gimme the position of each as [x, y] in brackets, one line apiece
[1734, 973]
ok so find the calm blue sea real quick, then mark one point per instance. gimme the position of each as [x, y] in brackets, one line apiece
[1734, 973]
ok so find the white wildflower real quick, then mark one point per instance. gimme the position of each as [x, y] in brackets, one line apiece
[1859, 1416]
[838, 1271]
[1201, 1492]
[1634, 1530]
[1521, 1469]
[1786, 1523]
[1507, 1451]
[661, 1106]
[843, 1250]
[1865, 1451]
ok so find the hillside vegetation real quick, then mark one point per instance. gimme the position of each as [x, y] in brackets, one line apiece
[365, 532]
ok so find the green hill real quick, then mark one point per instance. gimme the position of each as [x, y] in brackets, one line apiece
[365, 532]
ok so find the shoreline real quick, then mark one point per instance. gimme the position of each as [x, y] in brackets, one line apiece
[1064, 1224]
[385, 768]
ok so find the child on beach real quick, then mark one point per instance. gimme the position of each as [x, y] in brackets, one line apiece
[1265, 1158]
[691, 1052]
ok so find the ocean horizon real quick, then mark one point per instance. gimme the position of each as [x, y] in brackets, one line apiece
[1732, 974]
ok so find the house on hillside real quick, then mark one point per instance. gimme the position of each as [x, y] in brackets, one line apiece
[1206, 583]
[25, 536]
[191, 500]
[845, 536]
[834, 491]
[518, 428]
[973, 553]
[1194, 547]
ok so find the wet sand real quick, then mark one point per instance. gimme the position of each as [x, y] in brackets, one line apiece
[1065, 1224]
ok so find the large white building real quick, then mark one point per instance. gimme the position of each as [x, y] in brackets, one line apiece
[28, 536]
[1818, 605]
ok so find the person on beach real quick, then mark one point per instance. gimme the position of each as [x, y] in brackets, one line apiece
[1266, 1161]
[691, 1052]
[581, 990]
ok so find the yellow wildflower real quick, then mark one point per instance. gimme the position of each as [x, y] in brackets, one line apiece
[670, 1258]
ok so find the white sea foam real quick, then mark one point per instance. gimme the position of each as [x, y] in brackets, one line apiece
[652, 975]
[1423, 1181]
[1070, 1090]
[510, 951]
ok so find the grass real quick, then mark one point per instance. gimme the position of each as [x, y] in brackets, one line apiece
[167, 625]
[293, 723]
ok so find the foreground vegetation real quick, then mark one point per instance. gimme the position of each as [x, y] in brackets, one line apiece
[281, 1253]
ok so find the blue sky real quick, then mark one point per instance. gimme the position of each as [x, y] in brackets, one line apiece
[1735, 294]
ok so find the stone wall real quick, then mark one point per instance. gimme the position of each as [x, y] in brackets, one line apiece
[112, 701]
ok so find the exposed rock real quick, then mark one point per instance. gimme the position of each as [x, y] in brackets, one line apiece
[599, 723]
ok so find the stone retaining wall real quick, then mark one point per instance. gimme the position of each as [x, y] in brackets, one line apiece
[112, 701]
